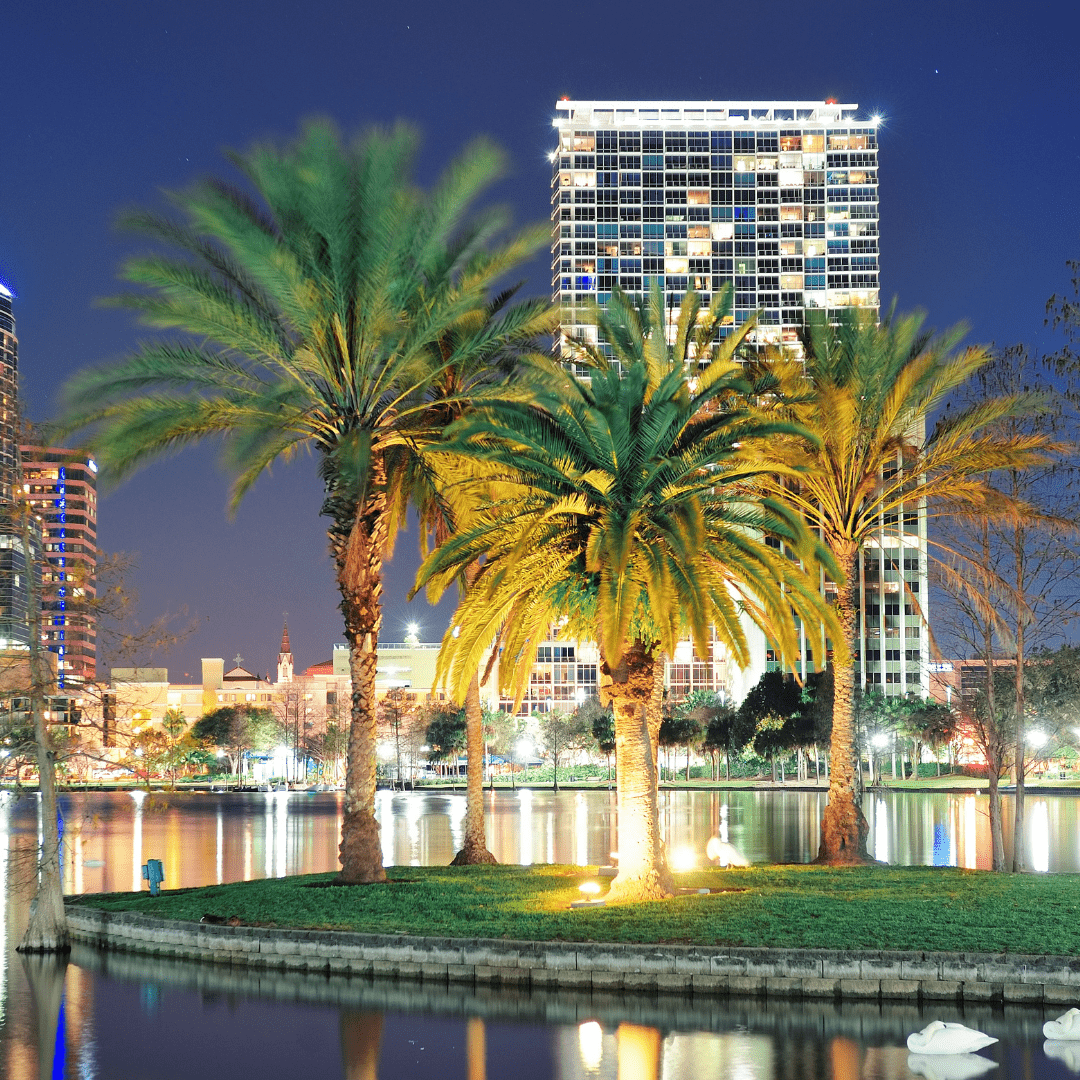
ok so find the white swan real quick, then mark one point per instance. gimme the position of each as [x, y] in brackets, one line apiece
[1065, 1028]
[949, 1066]
[722, 852]
[939, 1037]
[1067, 1052]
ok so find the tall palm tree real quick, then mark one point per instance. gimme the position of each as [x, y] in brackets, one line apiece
[868, 391]
[630, 516]
[311, 317]
[482, 369]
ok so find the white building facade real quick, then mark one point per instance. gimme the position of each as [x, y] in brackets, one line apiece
[778, 201]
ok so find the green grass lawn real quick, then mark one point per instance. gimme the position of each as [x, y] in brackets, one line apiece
[780, 906]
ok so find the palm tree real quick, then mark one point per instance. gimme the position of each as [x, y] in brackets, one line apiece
[459, 385]
[630, 516]
[311, 318]
[868, 391]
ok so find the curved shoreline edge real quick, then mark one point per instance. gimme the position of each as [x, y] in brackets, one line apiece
[821, 974]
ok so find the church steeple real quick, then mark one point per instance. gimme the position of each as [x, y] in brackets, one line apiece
[285, 658]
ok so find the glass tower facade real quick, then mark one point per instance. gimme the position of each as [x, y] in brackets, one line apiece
[62, 489]
[778, 201]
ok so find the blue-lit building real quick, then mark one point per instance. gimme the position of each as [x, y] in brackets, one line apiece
[62, 490]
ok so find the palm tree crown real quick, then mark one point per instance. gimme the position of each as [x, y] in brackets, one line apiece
[317, 315]
[631, 513]
[867, 393]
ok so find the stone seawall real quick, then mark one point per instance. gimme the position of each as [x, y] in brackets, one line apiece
[964, 978]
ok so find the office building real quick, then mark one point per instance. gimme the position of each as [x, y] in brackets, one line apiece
[777, 200]
[16, 562]
[62, 490]
[9, 390]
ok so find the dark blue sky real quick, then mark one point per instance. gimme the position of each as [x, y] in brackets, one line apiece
[105, 105]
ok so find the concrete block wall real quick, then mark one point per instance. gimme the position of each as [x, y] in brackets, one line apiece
[698, 970]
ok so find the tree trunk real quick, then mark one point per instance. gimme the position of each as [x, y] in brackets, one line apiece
[843, 827]
[47, 928]
[359, 573]
[643, 871]
[992, 740]
[655, 712]
[474, 848]
[997, 835]
[1018, 859]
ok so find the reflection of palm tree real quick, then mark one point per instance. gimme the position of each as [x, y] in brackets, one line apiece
[475, 1049]
[845, 1058]
[361, 1036]
[45, 973]
[639, 1052]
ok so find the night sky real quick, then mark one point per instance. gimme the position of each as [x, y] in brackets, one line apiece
[107, 105]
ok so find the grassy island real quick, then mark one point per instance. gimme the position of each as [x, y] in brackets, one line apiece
[903, 908]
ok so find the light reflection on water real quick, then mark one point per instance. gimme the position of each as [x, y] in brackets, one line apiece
[156, 1019]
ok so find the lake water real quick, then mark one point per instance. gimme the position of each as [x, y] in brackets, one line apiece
[116, 1016]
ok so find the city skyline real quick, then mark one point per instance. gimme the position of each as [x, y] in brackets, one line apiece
[104, 113]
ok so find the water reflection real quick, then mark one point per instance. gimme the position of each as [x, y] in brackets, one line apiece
[361, 1037]
[100, 1019]
[111, 1015]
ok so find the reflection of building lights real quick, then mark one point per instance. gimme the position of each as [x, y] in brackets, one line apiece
[590, 1045]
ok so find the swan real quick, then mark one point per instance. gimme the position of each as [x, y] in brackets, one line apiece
[949, 1066]
[720, 851]
[1065, 1028]
[1067, 1052]
[939, 1037]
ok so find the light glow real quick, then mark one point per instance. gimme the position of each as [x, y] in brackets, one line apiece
[591, 1045]
[683, 858]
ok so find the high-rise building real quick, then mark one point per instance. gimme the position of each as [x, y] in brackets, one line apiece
[16, 563]
[777, 200]
[9, 389]
[62, 490]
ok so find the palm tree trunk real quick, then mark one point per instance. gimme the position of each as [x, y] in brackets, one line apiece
[843, 827]
[359, 566]
[474, 847]
[643, 871]
[655, 712]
